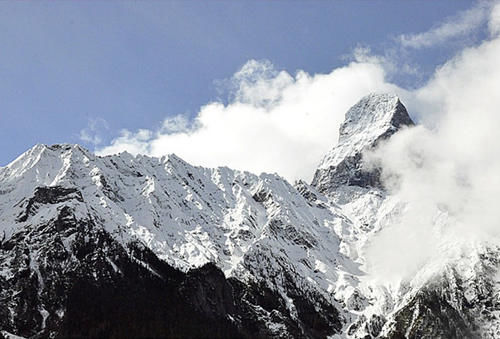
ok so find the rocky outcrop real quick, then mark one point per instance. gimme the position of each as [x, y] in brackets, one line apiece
[373, 119]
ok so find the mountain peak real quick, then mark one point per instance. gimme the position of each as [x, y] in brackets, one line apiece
[374, 118]
[41, 151]
[373, 113]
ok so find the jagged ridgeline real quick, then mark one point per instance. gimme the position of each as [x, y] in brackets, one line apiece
[123, 246]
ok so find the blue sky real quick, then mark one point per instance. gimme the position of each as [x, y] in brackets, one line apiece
[102, 67]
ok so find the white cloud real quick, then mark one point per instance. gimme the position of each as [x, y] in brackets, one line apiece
[135, 143]
[177, 124]
[448, 171]
[258, 83]
[462, 24]
[275, 122]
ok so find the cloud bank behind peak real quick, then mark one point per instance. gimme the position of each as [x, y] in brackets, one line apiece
[274, 122]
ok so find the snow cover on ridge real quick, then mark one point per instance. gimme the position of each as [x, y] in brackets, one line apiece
[187, 215]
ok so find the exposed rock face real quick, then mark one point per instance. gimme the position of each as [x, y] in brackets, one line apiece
[124, 246]
[374, 118]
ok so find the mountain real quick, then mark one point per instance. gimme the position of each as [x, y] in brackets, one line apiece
[123, 246]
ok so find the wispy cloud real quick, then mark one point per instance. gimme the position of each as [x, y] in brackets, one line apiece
[494, 20]
[92, 134]
[460, 25]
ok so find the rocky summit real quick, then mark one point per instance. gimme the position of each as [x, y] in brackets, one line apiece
[141, 247]
[373, 119]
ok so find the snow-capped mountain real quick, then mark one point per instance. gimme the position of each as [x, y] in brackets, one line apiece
[124, 246]
[258, 230]
[374, 118]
